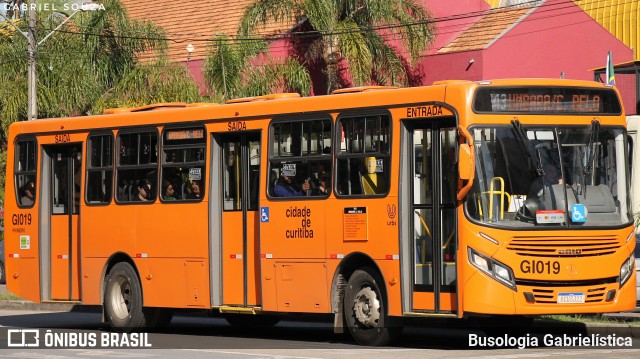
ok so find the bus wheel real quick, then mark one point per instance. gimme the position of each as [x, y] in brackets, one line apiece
[123, 298]
[365, 312]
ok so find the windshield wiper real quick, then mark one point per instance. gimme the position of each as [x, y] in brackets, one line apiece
[522, 136]
[593, 139]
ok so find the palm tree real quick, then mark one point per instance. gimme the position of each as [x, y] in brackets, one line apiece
[156, 82]
[240, 69]
[366, 39]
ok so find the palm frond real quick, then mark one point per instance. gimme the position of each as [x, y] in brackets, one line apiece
[355, 50]
[261, 12]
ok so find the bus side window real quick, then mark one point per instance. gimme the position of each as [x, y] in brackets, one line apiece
[25, 172]
[300, 158]
[137, 161]
[183, 164]
[99, 169]
[363, 157]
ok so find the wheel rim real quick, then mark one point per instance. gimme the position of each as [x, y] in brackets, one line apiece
[366, 307]
[120, 298]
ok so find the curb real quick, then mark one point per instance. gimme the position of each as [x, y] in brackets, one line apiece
[47, 307]
[620, 329]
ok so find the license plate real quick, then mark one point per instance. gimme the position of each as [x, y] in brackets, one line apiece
[571, 298]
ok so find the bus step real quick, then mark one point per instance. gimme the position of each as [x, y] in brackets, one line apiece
[423, 314]
[61, 301]
[239, 310]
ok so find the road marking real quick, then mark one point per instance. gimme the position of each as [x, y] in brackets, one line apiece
[262, 355]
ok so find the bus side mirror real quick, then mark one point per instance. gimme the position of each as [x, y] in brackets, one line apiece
[465, 162]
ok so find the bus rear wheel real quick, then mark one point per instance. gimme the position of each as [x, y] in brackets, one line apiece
[365, 310]
[123, 298]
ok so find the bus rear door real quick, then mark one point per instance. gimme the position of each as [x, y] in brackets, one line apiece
[62, 182]
[240, 163]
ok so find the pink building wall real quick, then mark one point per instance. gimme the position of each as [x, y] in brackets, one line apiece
[453, 17]
[555, 38]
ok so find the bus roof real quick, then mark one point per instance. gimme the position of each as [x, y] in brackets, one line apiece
[272, 105]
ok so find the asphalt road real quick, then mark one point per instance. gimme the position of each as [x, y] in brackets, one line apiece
[199, 336]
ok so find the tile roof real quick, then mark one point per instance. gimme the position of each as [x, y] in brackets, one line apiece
[488, 28]
[194, 22]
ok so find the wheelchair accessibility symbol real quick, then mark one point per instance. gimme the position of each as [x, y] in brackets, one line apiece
[264, 214]
[578, 213]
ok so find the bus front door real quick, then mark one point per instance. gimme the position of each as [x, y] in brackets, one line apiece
[239, 240]
[64, 182]
[433, 215]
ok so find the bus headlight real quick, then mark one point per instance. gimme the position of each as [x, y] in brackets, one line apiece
[626, 269]
[496, 270]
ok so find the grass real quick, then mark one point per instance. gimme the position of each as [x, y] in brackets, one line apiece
[595, 318]
[9, 297]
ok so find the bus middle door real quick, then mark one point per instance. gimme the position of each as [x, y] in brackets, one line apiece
[65, 184]
[240, 177]
[433, 215]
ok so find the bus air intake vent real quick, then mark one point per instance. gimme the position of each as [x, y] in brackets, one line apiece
[362, 89]
[564, 246]
[273, 96]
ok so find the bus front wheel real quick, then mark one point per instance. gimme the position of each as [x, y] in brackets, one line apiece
[123, 298]
[365, 310]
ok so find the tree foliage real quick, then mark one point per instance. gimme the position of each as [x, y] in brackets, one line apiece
[89, 63]
[364, 41]
[241, 71]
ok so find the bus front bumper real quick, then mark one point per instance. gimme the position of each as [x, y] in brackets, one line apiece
[484, 295]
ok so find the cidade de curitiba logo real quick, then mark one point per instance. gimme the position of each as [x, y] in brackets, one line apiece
[40, 338]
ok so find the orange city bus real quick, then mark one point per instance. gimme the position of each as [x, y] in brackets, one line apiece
[505, 197]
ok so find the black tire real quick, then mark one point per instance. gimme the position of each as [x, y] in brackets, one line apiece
[123, 299]
[251, 321]
[3, 277]
[365, 310]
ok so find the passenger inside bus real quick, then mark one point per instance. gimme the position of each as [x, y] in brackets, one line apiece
[372, 182]
[143, 192]
[324, 185]
[168, 191]
[286, 187]
[27, 194]
[552, 175]
[193, 191]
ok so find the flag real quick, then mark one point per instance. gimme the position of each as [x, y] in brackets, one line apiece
[611, 79]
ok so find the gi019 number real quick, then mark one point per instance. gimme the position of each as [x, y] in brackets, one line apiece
[540, 267]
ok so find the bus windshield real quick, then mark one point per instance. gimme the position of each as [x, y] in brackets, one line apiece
[550, 176]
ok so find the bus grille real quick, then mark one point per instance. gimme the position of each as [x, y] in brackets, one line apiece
[550, 296]
[564, 246]
[546, 292]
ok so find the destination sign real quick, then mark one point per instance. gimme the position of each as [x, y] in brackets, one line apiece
[570, 100]
[193, 133]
